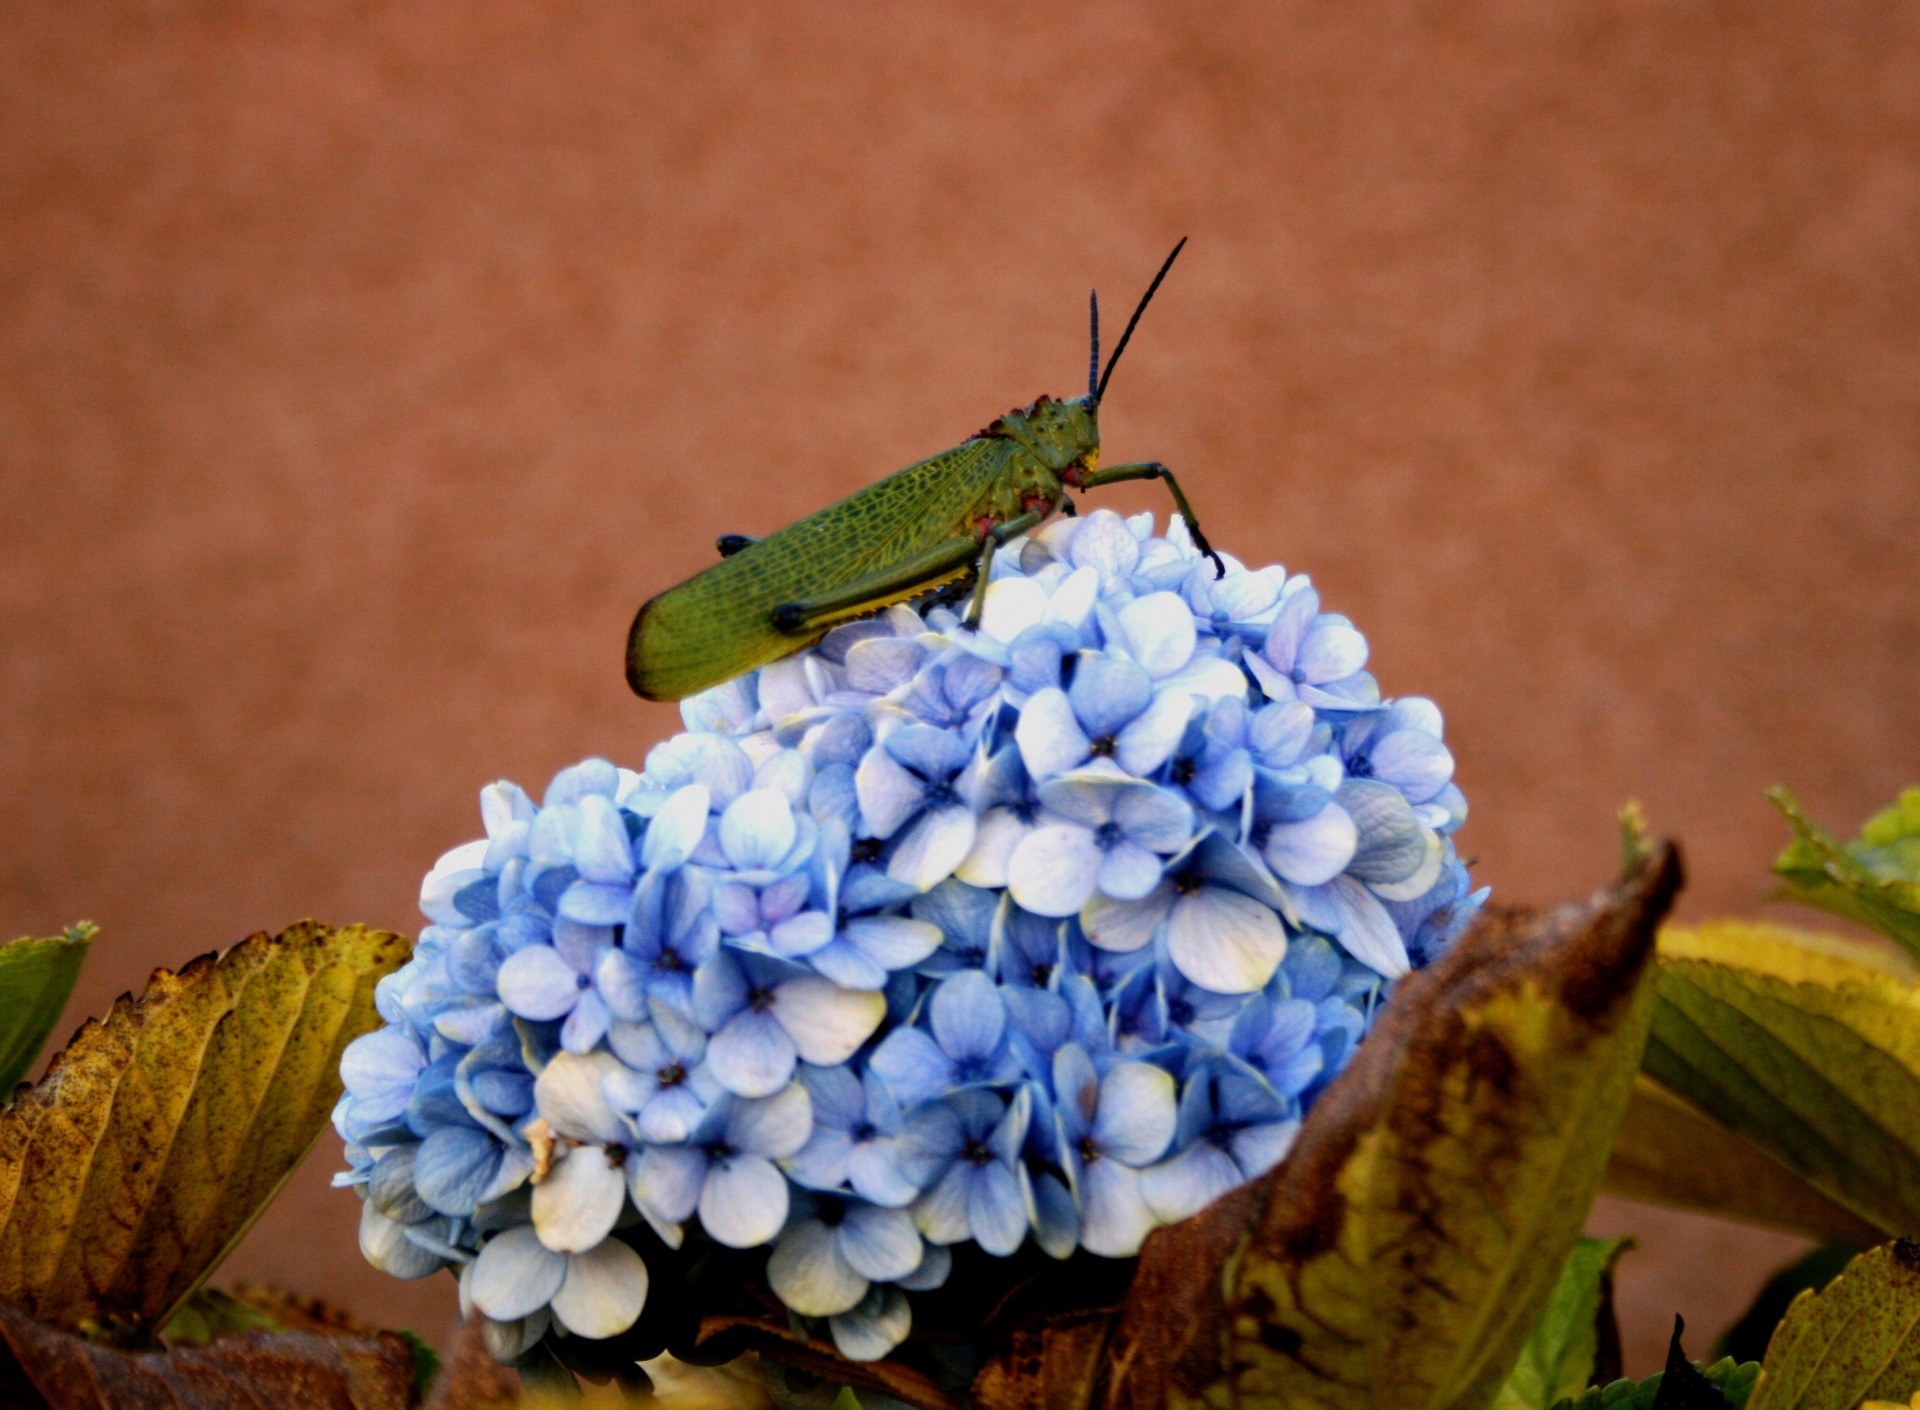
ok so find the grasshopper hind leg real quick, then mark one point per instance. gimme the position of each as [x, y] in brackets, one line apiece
[921, 570]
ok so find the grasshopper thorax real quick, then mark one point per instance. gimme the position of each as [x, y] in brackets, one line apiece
[1059, 433]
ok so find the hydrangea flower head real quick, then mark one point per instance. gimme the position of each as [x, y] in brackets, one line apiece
[927, 936]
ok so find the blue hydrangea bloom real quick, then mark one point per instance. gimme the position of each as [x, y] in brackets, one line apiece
[924, 936]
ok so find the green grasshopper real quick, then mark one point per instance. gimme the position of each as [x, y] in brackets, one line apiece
[923, 529]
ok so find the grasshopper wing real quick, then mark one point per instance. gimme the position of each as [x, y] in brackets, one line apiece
[718, 624]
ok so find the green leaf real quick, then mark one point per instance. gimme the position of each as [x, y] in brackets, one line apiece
[1560, 1357]
[210, 1314]
[1747, 1339]
[36, 976]
[1402, 1253]
[1734, 1380]
[1808, 1047]
[159, 1135]
[1875, 881]
[1669, 1152]
[1858, 1339]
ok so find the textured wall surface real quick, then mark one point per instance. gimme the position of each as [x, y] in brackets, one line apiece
[362, 367]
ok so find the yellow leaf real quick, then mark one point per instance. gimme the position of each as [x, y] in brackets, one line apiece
[1806, 1045]
[1858, 1337]
[1402, 1253]
[1668, 1152]
[159, 1135]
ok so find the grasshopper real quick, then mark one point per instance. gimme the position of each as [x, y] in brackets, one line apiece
[926, 528]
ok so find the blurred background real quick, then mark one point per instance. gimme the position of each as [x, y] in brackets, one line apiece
[364, 366]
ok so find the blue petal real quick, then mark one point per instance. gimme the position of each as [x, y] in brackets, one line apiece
[934, 754]
[874, 1328]
[758, 829]
[453, 1167]
[536, 983]
[880, 1244]
[913, 1066]
[967, 1016]
[889, 794]
[996, 1212]
[1188, 1182]
[601, 852]
[751, 1056]
[1107, 692]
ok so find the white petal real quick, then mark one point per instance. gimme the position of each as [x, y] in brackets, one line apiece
[775, 1126]
[1149, 740]
[516, 1275]
[827, 1023]
[1225, 942]
[1114, 1217]
[758, 828]
[677, 828]
[998, 833]
[1188, 1182]
[807, 1272]
[1049, 734]
[1314, 850]
[744, 1201]
[936, 843]
[1367, 932]
[576, 1206]
[1125, 926]
[1052, 873]
[1013, 604]
[604, 1292]
[1159, 632]
[1136, 1115]
[571, 1095]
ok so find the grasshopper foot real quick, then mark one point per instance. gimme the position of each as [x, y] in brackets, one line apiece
[789, 619]
[730, 544]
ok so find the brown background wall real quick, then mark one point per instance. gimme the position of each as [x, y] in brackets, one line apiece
[363, 366]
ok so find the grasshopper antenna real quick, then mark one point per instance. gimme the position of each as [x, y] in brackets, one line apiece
[1093, 358]
[1100, 389]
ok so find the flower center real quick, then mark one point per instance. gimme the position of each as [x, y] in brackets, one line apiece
[581, 981]
[867, 849]
[1182, 771]
[1104, 746]
[1039, 975]
[976, 1153]
[1108, 836]
[1089, 1151]
[1298, 675]
[1188, 882]
[760, 1000]
[863, 1131]
[669, 962]
[1360, 766]
[672, 1075]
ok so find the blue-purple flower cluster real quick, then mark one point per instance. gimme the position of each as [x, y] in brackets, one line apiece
[926, 935]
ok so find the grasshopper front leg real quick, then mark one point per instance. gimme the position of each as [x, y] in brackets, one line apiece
[1153, 470]
[922, 569]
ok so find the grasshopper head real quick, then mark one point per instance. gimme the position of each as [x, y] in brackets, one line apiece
[1059, 433]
